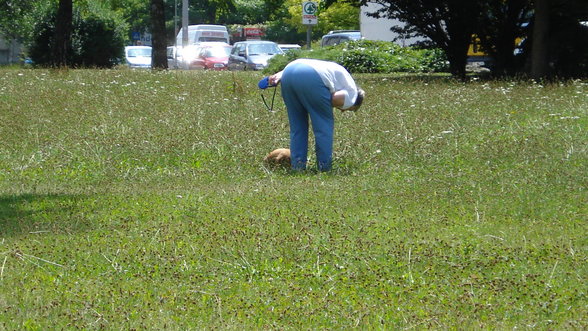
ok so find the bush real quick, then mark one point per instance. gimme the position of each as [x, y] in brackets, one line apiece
[40, 48]
[434, 60]
[98, 39]
[363, 60]
[368, 56]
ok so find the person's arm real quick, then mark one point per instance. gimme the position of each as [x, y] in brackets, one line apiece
[275, 78]
[338, 99]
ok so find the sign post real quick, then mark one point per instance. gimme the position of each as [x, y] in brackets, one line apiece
[309, 18]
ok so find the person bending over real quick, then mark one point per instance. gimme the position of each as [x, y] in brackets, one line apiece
[311, 88]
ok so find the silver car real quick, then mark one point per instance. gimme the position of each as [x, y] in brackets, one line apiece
[252, 54]
[340, 36]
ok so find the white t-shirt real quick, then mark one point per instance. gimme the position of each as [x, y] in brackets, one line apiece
[335, 77]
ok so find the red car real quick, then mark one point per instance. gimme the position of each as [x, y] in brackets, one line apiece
[214, 56]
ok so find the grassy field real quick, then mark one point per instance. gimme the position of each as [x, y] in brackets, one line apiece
[139, 200]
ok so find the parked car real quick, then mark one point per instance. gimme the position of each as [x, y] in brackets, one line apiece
[289, 47]
[340, 36]
[138, 56]
[172, 57]
[213, 55]
[252, 54]
[182, 57]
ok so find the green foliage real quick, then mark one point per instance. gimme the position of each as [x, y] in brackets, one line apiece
[336, 17]
[39, 48]
[134, 199]
[248, 12]
[449, 24]
[98, 38]
[433, 60]
[17, 17]
[364, 60]
[102, 37]
[12, 17]
[365, 56]
[567, 53]
[283, 33]
[135, 13]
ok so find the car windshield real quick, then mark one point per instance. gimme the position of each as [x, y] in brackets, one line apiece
[217, 52]
[271, 49]
[139, 52]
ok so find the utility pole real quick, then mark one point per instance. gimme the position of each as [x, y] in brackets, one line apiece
[175, 21]
[184, 23]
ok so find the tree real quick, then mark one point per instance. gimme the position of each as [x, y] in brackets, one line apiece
[14, 14]
[539, 55]
[97, 38]
[249, 12]
[337, 16]
[556, 45]
[502, 23]
[449, 24]
[159, 50]
[275, 10]
[63, 29]
[135, 12]
[218, 11]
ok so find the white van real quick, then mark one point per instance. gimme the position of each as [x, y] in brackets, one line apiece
[204, 33]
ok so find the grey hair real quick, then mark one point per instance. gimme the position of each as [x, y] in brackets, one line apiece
[359, 99]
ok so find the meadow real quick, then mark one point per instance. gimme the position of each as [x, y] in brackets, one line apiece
[139, 200]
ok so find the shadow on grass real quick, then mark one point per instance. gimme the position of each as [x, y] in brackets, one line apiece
[312, 171]
[422, 78]
[39, 213]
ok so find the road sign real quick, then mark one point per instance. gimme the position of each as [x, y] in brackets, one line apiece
[309, 9]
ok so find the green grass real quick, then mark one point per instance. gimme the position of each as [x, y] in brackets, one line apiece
[138, 200]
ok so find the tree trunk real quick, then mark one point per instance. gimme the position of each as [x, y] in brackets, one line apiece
[457, 54]
[504, 55]
[508, 32]
[460, 24]
[457, 65]
[159, 46]
[62, 36]
[539, 52]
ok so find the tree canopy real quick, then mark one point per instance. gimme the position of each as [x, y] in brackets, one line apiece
[448, 23]
[549, 29]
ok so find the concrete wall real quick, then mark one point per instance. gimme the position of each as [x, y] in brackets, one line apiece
[10, 51]
[379, 28]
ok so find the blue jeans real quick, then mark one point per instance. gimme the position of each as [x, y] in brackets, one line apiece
[305, 95]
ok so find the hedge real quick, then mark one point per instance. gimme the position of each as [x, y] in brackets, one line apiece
[368, 56]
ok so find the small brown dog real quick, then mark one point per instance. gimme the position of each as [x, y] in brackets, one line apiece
[278, 157]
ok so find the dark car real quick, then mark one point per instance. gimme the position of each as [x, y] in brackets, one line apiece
[340, 36]
[252, 54]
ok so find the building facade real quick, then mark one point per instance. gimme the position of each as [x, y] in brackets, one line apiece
[379, 28]
[10, 51]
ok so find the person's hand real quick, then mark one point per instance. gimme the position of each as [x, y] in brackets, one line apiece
[274, 79]
[338, 99]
